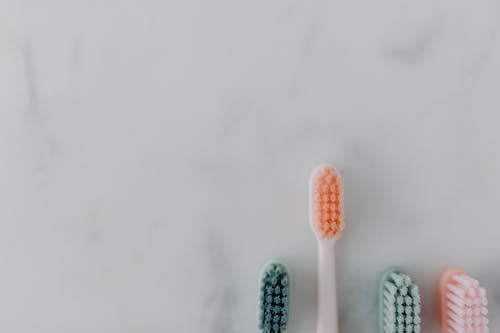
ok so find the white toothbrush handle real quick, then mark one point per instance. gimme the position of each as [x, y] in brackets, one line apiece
[327, 288]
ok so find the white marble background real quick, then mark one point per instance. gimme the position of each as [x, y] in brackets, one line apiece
[154, 154]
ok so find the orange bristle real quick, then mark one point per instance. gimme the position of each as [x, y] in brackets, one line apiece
[327, 206]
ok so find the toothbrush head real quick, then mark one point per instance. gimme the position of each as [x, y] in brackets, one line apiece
[399, 303]
[274, 298]
[463, 303]
[326, 202]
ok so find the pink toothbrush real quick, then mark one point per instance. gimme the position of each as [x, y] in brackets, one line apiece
[463, 303]
[327, 220]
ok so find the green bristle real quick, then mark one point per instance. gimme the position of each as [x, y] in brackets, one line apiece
[274, 298]
[399, 303]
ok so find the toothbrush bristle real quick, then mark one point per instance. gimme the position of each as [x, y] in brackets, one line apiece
[327, 202]
[463, 304]
[400, 304]
[274, 298]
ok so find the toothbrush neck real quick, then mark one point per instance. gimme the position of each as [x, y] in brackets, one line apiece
[327, 288]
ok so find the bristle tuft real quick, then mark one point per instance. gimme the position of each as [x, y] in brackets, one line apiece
[464, 305]
[274, 298]
[400, 306]
[327, 202]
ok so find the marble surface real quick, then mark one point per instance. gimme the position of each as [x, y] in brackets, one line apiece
[154, 154]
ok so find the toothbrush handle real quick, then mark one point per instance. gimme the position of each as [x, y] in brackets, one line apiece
[327, 288]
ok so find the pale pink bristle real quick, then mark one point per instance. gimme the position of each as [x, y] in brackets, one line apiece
[464, 305]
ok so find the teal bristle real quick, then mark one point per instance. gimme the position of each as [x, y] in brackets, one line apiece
[399, 303]
[274, 298]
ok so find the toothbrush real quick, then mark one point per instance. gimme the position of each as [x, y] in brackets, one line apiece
[273, 297]
[399, 303]
[463, 303]
[327, 221]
